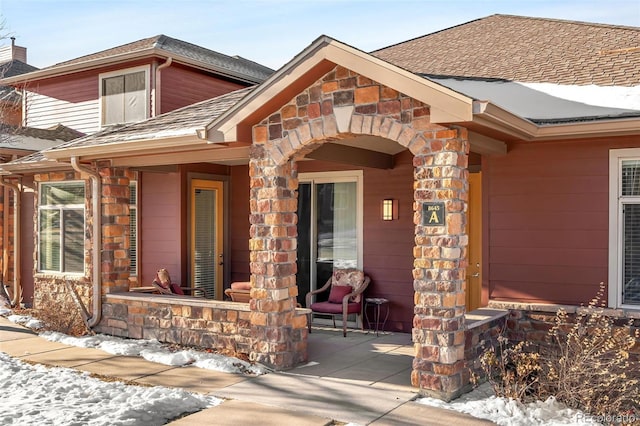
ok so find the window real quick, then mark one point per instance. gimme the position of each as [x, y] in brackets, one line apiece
[61, 227]
[133, 228]
[329, 226]
[124, 96]
[624, 228]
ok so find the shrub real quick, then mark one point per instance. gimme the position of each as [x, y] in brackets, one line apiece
[585, 364]
[60, 314]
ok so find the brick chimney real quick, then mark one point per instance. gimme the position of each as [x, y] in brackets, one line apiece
[9, 53]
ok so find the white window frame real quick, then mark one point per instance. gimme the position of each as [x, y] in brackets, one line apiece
[133, 207]
[616, 157]
[105, 75]
[60, 208]
[336, 177]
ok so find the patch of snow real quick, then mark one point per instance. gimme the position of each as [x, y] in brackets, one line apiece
[606, 96]
[481, 403]
[35, 394]
[154, 351]
[27, 321]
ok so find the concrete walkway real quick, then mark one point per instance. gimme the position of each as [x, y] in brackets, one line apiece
[336, 387]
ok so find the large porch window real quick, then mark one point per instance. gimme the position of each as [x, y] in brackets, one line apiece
[329, 226]
[624, 221]
[61, 227]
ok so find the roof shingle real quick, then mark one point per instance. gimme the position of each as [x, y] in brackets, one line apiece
[525, 49]
[219, 61]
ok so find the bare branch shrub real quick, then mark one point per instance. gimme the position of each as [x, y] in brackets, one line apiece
[60, 314]
[586, 364]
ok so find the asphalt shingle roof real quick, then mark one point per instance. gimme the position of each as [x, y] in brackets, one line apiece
[234, 64]
[180, 122]
[525, 49]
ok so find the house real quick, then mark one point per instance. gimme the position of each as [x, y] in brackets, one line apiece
[108, 89]
[511, 176]
[17, 141]
[13, 61]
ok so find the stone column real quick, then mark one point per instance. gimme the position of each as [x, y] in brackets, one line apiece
[276, 330]
[114, 203]
[439, 264]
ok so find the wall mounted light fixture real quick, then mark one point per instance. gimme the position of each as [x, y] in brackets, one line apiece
[389, 209]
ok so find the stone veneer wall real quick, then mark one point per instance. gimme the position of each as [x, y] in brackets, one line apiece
[180, 319]
[341, 105]
[50, 287]
[532, 323]
[480, 336]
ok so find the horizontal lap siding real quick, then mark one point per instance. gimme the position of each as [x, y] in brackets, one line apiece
[548, 221]
[181, 87]
[388, 245]
[72, 102]
[160, 225]
[239, 223]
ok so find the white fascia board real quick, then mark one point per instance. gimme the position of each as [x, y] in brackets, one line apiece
[124, 147]
[452, 106]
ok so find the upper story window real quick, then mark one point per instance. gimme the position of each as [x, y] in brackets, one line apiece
[61, 235]
[124, 96]
[624, 228]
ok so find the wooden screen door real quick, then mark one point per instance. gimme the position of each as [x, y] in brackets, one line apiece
[474, 250]
[207, 215]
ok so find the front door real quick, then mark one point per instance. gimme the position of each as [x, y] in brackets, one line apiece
[474, 250]
[207, 236]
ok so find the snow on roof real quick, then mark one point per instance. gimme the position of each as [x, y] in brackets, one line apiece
[545, 104]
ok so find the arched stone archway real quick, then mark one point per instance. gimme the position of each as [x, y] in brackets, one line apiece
[342, 105]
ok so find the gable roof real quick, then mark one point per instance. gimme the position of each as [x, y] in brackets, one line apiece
[182, 128]
[163, 46]
[11, 69]
[525, 49]
[25, 139]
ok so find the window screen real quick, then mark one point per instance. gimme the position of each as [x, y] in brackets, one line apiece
[630, 188]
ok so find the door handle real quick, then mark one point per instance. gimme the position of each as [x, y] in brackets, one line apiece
[221, 262]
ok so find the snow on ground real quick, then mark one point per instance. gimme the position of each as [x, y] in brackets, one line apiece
[482, 403]
[38, 395]
[154, 351]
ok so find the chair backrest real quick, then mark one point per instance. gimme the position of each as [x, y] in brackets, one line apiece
[162, 281]
[352, 277]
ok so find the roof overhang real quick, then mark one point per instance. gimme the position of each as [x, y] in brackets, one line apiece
[492, 117]
[127, 147]
[320, 57]
[61, 70]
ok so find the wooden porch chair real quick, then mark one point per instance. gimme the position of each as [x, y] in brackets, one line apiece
[345, 297]
[162, 282]
[239, 292]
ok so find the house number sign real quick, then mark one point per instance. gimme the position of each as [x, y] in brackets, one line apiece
[433, 214]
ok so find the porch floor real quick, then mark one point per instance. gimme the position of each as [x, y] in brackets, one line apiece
[382, 361]
[359, 378]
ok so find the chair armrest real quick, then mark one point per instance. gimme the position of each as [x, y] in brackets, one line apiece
[320, 290]
[363, 287]
[194, 290]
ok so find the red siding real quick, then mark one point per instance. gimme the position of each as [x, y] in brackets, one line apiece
[182, 86]
[388, 246]
[548, 211]
[27, 240]
[160, 231]
[239, 223]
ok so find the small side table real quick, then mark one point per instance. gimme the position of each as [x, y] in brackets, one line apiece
[376, 303]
